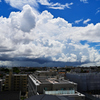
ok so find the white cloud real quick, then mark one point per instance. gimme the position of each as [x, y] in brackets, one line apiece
[35, 3]
[55, 5]
[98, 10]
[86, 21]
[84, 1]
[24, 20]
[78, 21]
[46, 36]
[84, 58]
[44, 2]
[20, 3]
[97, 45]
[60, 6]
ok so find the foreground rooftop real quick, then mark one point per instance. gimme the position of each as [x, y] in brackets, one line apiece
[42, 80]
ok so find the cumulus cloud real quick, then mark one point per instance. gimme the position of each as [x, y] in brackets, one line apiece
[28, 36]
[86, 21]
[25, 20]
[35, 3]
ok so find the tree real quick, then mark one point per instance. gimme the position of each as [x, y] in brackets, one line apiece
[16, 70]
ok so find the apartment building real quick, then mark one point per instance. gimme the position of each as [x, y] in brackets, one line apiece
[0, 85]
[16, 82]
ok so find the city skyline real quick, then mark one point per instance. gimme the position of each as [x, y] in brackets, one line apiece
[49, 32]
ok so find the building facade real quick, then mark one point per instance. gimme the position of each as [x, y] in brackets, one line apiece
[16, 82]
[0, 85]
[86, 81]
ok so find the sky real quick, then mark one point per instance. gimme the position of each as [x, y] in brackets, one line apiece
[51, 33]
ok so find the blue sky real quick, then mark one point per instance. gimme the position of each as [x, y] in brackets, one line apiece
[6, 9]
[50, 32]
[77, 11]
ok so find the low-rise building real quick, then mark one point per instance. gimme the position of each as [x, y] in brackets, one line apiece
[53, 86]
[46, 73]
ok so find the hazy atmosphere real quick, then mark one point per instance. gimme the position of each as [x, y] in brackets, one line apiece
[49, 32]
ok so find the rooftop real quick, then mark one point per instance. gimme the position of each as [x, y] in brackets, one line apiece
[48, 97]
[45, 80]
[17, 74]
[84, 74]
[60, 81]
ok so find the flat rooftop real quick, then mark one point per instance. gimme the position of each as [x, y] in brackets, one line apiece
[17, 74]
[84, 74]
[44, 80]
[60, 81]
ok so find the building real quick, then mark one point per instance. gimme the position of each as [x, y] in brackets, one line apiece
[87, 82]
[52, 86]
[46, 73]
[37, 85]
[71, 94]
[50, 97]
[8, 95]
[16, 82]
[0, 85]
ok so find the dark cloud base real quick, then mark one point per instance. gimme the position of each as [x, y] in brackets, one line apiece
[38, 62]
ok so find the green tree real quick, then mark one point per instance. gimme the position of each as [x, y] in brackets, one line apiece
[16, 70]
